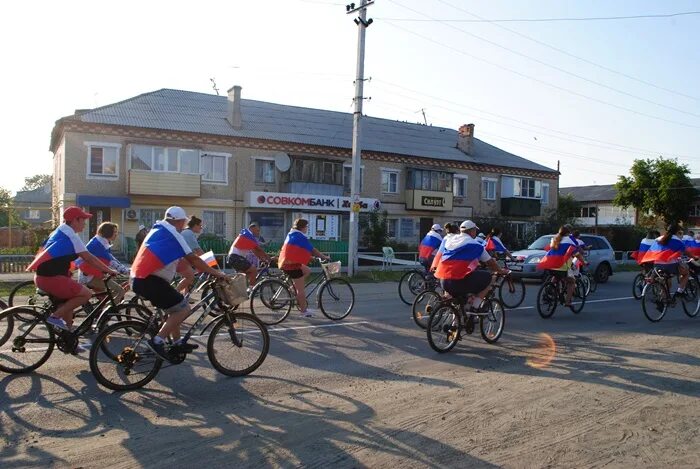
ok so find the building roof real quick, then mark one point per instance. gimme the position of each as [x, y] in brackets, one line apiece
[186, 111]
[39, 195]
[603, 193]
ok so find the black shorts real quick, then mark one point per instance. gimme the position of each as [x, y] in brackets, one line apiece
[158, 291]
[294, 273]
[472, 283]
[239, 263]
[560, 274]
[671, 269]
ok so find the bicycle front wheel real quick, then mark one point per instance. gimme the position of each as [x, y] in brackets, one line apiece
[493, 322]
[655, 301]
[585, 282]
[27, 343]
[422, 307]
[511, 292]
[238, 344]
[412, 283]
[271, 301]
[336, 298]
[579, 294]
[547, 299]
[23, 293]
[592, 281]
[120, 359]
[443, 328]
[638, 286]
[691, 298]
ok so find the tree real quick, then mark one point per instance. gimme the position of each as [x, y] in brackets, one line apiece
[36, 181]
[374, 230]
[6, 209]
[566, 213]
[661, 187]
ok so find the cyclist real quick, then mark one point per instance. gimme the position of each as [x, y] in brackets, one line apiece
[429, 246]
[101, 247]
[295, 254]
[154, 268]
[666, 253]
[559, 259]
[52, 265]
[495, 246]
[450, 229]
[247, 242]
[481, 239]
[190, 234]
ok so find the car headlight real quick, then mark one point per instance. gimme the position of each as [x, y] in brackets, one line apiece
[534, 260]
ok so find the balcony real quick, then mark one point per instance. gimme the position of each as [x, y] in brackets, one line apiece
[312, 188]
[519, 207]
[160, 183]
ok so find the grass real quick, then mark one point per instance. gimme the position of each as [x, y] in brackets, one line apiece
[5, 288]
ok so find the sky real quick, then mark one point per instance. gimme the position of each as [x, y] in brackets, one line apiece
[593, 95]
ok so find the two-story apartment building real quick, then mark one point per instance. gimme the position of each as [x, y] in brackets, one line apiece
[597, 208]
[34, 206]
[231, 161]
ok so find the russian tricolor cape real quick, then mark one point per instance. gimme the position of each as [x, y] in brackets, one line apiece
[429, 245]
[494, 244]
[556, 258]
[62, 242]
[692, 247]
[297, 249]
[457, 257]
[97, 249]
[664, 253]
[162, 245]
[245, 241]
[644, 246]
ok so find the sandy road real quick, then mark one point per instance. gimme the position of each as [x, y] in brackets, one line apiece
[619, 392]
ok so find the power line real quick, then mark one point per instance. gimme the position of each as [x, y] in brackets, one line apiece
[541, 20]
[557, 68]
[569, 54]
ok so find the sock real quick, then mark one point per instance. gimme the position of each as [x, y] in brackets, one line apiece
[477, 302]
[158, 340]
[679, 290]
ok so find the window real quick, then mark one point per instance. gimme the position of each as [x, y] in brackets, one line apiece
[545, 194]
[390, 182]
[427, 180]
[588, 212]
[213, 221]
[528, 188]
[488, 189]
[148, 216]
[694, 211]
[272, 226]
[264, 171]
[32, 214]
[460, 186]
[392, 227]
[347, 176]
[150, 158]
[103, 160]
[407, 230]
[213, 168]
[315, 171]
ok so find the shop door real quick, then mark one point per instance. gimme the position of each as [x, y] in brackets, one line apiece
[425, 225]
[99, 215]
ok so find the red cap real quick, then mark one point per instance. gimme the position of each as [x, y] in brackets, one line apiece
[71, 213]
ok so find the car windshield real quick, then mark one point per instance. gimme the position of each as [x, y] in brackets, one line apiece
[541, 243]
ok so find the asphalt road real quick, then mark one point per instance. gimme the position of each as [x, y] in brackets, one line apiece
[369, 392]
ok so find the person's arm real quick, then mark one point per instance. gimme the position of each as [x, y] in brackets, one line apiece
[494, 267]
[202, 266]
[198, 251]
[318, 253]
[262, 255]
[95, 262]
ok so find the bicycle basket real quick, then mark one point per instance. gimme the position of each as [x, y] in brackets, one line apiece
[232, 290]
[331, 269]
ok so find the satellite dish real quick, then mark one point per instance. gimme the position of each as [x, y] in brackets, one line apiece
[282, 162]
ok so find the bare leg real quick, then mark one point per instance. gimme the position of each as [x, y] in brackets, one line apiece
[65, 311]
[172, 324]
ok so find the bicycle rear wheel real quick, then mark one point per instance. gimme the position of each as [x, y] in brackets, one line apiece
[412, 283]
[120, 359]
[638, 286]
[443, 328]
[691, 298]
[422, 306]
[511, 292]
[271, 301]
[238, 344]
[655, 301]
[26, 344]
[492, 324]
[547, 299]
[336, 298]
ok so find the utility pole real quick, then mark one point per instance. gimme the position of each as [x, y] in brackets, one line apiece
[362, 23]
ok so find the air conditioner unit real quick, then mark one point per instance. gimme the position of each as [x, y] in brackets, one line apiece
[132, 214]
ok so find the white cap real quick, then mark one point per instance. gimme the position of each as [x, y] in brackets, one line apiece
[175, 213]
[141, 227]
[481, 235]
[436, 227]
[468, 225]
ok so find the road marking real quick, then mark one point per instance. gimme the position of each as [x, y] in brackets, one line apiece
[587, 301]
[294, 328]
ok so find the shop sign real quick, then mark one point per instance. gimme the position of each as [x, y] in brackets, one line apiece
[308, 201]
[429, 200]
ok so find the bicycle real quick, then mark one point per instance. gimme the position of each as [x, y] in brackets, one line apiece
[127, 363]
[450, 317]
[511, 289]
[553, 292]
[27, 344]
[657, 298]
[414, 282]
[272, 299]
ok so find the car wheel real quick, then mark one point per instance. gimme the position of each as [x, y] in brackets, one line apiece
[602, 273]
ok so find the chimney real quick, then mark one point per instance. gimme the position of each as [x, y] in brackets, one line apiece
[465, 138]
[234, 107]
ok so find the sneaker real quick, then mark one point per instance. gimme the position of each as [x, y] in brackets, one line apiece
[183, 347]
[158, 349]
[308, 313]
[84, 347]
[58, 323]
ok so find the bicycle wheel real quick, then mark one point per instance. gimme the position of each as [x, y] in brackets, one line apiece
[592, 281]
[547, 299]
[580, 294]
[412, 283]
[28, 344]
[492, 324]
[422, 306]
[271, 301]
[443, 328]
[638, 286]
[691, 298]
[137, 308]
[123, 312]
[585, 282]
[336, 298]
[654, 301]
[238, 344]
[24, 293]
[120, 359]
[511, 292]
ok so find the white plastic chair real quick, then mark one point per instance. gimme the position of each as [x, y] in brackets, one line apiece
[388, 258]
